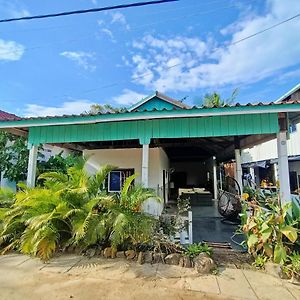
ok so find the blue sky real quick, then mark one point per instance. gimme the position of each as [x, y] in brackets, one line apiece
[63, 65]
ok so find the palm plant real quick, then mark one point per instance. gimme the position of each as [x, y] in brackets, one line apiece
[214, 99]
[130, 224]
[43, 218]
[74, 209]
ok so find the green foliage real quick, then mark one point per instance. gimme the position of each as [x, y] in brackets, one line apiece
[292, 268]
[13, 156]
[260, 196]
[58, 163]
[171, 224]
[106, 108]
[194, 250]
[260, 261]
[214, 99]
[268, 233]
[74, 209]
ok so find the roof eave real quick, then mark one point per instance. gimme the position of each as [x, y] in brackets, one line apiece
[163, 114]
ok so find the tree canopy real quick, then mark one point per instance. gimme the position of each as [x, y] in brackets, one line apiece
[215, 100]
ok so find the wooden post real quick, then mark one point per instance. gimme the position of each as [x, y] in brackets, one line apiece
[32, 162]
[283, 168]
[145, 165]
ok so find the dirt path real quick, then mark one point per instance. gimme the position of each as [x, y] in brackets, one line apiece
[75, 277]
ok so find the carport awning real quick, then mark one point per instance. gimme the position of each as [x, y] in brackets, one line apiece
[195, 122]
[267, 162]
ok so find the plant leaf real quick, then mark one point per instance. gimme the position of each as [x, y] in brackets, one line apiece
[290, 232]
[279, 254]
[266, 234]
[268, 249]
[252, 240]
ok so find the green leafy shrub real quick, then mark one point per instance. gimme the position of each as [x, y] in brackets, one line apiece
[292, 268]
[268, 233]
[75, 210]
[194, 250]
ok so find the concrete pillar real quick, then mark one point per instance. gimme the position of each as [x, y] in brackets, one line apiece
[283, 168]
[252, 173]
[275, 172]
[238, 168]
[215, 179]
[32, 162]
[145, 165]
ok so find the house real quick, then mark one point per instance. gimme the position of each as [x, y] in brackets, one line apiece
[172, 146]
[262, 160]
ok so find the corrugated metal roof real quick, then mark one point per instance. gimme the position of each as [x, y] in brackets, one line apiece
[5, 116]
[161, 96]
[289, 93]
[261, 104]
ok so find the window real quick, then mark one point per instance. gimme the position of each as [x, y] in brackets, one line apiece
[117, 178]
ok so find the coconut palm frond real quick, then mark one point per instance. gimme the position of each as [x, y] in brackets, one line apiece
[125, 189]
[47, 243]
[55, 177]
[6, 197]
[97, 182]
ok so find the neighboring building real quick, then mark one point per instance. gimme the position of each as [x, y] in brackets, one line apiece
[175, 148]
[262, 160]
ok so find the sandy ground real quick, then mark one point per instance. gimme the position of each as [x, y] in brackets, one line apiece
[75, 277]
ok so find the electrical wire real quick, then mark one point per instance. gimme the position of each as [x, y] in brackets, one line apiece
[213, 50]
[85, 11]
[132, 29]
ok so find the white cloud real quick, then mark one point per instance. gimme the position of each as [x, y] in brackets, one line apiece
[82, 59]
[118, 17]
[109, 33]
[20, 13]
[128, 97]
[66, 108]
[13, 9]
[252, 60]
[160, 54]
[10, 50]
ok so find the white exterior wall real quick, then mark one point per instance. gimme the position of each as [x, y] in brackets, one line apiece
[132, 158]
[49, 150]
[268, 150]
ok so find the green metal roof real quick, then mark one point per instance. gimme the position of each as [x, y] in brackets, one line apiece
[154, 114]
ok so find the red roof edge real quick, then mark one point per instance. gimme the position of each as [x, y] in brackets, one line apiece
[5, 116]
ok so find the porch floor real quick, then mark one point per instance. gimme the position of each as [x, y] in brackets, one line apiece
[208, 226]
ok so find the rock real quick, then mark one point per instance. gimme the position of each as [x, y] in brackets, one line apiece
[90, 252]
[185, 262]
[113, 252]
[158, 258]
[141, 258]
[98, 251]
[120, 254]
[173, 259]
[130, 254]
[107, 252]
[148, 257]
[204, 264]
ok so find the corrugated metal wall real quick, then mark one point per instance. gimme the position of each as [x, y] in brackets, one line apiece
[158, 128]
